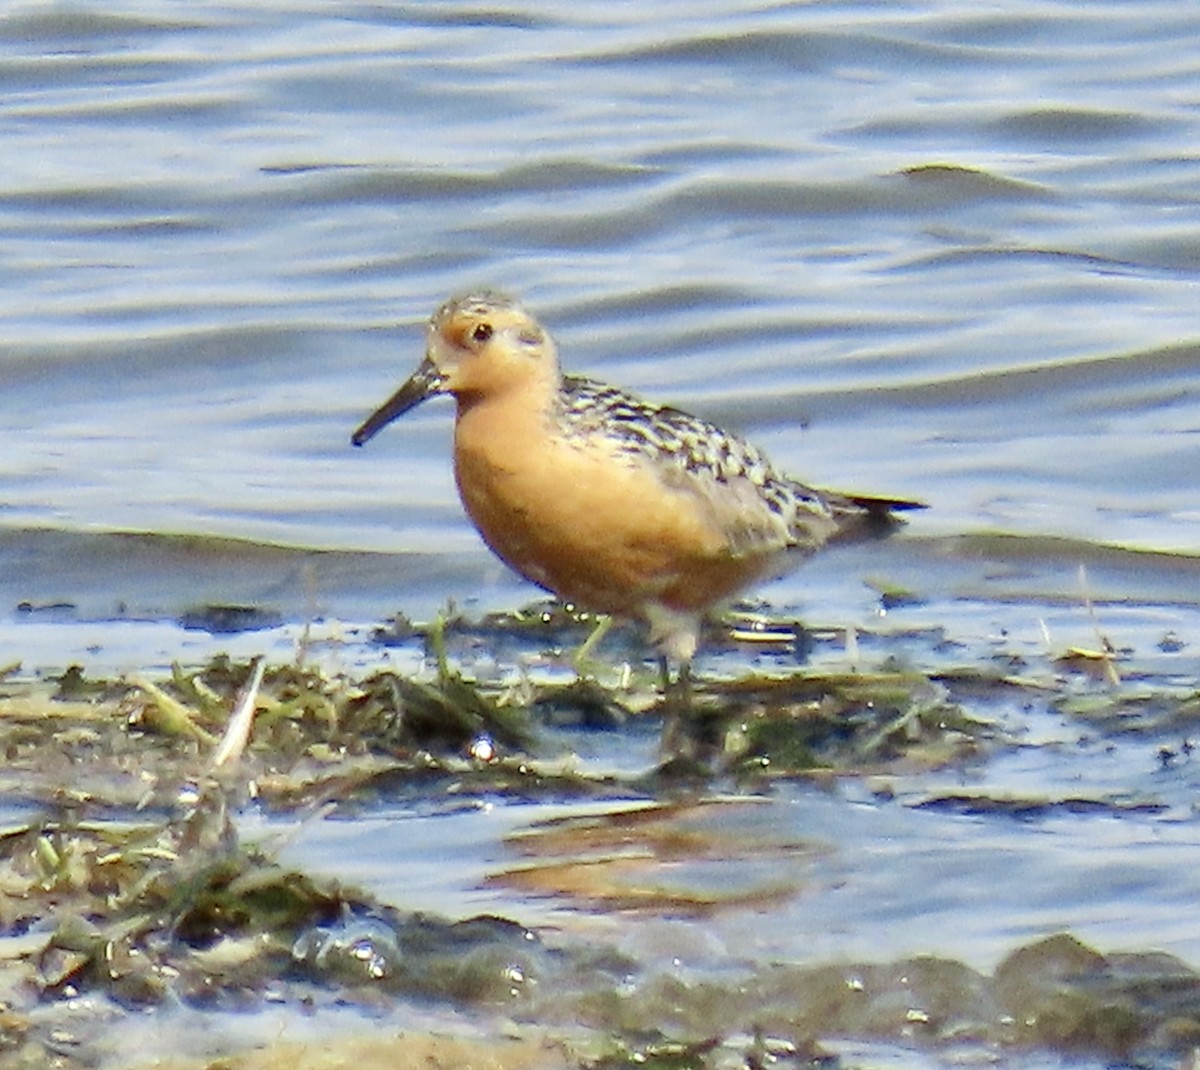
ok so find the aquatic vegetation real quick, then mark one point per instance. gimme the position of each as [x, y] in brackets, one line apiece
[127, 878]
[1055, 994]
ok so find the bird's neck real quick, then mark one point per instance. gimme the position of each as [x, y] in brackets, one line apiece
[505, 423]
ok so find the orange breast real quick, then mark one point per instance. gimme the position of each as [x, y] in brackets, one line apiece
[584, 521]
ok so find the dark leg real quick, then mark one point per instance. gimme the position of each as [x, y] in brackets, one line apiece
[664, 674]
[677, 736]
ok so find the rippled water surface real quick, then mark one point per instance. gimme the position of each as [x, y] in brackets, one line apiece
[958, 244]
[931, 249]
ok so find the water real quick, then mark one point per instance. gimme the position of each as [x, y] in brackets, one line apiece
[939, 250]
[960, 245]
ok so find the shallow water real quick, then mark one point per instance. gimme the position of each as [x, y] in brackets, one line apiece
[930, 249]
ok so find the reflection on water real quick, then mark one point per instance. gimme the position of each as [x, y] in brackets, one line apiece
[940, 251]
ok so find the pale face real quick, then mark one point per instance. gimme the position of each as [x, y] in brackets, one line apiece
[481, 345]
[485, 344]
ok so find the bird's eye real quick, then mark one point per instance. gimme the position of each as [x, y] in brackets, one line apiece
[482, 332]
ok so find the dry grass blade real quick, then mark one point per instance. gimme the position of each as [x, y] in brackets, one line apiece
[237, 733]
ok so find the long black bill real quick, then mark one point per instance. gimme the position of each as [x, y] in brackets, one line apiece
[423, 383]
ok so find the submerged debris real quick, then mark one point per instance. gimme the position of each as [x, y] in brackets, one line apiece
[1056, 995]
[125, 879]
[180, 910]
[229, 619]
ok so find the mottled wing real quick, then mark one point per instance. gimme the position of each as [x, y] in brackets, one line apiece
[756, 509]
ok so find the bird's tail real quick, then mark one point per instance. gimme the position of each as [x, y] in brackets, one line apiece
[864, 517]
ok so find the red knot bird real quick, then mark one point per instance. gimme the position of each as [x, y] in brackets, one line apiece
[613, 503]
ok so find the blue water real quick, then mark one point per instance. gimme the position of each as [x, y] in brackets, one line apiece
[929, 249]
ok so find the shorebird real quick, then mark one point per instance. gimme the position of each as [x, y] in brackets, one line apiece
[616, 504]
